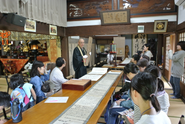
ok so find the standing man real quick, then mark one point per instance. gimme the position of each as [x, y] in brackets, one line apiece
[79, 58]
[177, 68]
[57, 77]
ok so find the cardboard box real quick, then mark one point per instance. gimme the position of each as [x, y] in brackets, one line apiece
[76, 84]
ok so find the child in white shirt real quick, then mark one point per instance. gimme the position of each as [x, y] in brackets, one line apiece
[143, 88]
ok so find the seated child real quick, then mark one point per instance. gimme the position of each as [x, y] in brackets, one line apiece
[4, 102]
[16, 81]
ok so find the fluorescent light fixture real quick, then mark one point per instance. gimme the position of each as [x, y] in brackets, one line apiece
[75, 37]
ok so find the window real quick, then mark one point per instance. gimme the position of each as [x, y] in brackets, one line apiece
[182, 36]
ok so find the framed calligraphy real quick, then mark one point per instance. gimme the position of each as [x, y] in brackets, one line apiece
[115, 17]
[138, 42]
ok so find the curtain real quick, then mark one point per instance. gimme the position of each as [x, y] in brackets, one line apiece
[9, 6]
[48, 11]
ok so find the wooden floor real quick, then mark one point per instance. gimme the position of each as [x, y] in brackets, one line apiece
[177, 107]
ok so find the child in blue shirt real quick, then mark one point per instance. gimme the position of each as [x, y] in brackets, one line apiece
[16, 80]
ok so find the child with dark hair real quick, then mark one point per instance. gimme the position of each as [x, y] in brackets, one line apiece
[153, 70]
[142, 64]
[130, 70]
[161, 95]
[143, 88]
[139, 53]
[38, 76]
[146, 51]
[135, 58]
[146, 57]
[177, 68]
[4, 102]
[16, 81]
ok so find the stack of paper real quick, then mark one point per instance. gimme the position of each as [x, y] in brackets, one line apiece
[126, 61]
[97, 70]
[56, 100]
[91, 77]
[113, 72]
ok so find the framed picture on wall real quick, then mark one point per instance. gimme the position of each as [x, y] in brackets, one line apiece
[30, 25]
[115, 17]
[160, 25]
[138, 42]
[52, 30]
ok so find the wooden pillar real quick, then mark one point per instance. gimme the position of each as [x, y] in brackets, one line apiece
[115, 4]
[65, 55]
[159, 49]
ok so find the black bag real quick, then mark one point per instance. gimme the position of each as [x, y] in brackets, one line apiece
[45, 87]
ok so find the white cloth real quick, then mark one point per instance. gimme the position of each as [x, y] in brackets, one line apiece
[28, 66]
[85, 56]
[164, 102]
[149, 54]
[170, 54]
[48, 11]
[57, 78]
[110, 57]
[160, 118]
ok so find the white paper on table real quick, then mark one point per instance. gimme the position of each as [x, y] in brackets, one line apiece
[56, 100]
[108, 65]
[91, 77]
[97, 70]
[126, 61]
[112, 72]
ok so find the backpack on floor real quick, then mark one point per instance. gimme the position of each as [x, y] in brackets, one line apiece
[20, 94]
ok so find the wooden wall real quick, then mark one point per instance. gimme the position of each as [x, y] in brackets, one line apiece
[89, 9]
[181, 27]
[115, 29]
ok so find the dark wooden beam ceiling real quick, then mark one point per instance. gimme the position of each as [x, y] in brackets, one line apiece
[116, 29]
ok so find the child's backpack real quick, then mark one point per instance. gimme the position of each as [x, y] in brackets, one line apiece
[21, 95]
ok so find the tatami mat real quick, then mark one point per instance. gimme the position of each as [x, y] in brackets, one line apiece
[174, 120]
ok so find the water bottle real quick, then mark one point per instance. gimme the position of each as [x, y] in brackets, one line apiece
[16, 111]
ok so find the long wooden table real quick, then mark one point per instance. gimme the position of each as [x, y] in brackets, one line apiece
[44, 113]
